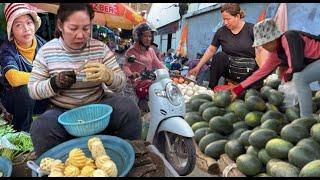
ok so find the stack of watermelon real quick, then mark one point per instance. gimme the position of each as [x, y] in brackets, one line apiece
[255, 130]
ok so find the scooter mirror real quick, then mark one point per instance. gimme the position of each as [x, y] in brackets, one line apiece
[131, 59]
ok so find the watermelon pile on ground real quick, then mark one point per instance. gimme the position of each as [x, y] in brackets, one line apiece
[262, 137]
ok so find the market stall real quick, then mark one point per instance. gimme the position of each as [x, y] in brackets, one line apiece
[260, 133]
[130, 158]
[112, 15]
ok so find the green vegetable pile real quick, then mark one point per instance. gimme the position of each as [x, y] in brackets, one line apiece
[6, 129]
[22, 141]
[12, 143]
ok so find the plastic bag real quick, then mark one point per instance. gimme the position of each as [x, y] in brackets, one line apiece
[26, 146]
[290, 94]
[315, 86]
[271, 77]
[5, 143]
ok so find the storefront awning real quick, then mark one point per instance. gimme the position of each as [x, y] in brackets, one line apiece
[112, 15]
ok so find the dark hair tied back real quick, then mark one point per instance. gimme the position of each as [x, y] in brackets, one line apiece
[233, 9]
[67, 9]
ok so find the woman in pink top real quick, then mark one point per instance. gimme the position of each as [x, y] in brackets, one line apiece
[296, 52]
[143, 35]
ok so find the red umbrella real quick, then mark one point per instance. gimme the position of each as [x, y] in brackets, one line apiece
[112, 15]
[116, 15]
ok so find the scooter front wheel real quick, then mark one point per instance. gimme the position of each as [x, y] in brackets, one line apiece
[179, 151]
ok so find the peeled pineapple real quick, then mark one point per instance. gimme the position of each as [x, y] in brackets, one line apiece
[96, 147]
[57, 169]
[110, 168]
[71, 171]
[77, 158]
[45, 164]
[90, 162]
[56, 174]
[99, 173]
[78, 165]
[101, 160]
[87, 171]
[57, 165]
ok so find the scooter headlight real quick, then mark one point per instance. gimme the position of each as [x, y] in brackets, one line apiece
[173, 94]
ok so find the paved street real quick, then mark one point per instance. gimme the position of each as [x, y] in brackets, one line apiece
[199, 173]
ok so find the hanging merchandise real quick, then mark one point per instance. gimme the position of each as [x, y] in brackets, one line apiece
[290, 94]
[182, 46]
[281, 17]
[261, 53]
[262, 15]
[281, 20]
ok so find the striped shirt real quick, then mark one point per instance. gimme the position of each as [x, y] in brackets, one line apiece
[54, 57]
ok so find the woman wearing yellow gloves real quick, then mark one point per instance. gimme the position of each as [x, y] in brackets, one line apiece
[17, 55]
[73, 70]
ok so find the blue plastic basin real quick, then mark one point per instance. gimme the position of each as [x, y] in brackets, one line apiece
[119, 150]
[5, 166]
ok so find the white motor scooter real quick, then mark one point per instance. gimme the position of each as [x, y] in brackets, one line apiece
[168, 130]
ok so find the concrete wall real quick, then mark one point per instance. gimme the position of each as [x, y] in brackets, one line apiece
[162, 41]
[164, 13]
[301, 16]
[202, 27]
[304, 16]
[161, 14]
[157, 39]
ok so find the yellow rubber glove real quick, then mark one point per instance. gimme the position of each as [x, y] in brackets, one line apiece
[97, 72]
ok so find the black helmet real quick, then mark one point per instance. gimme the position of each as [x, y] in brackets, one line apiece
[140, 28]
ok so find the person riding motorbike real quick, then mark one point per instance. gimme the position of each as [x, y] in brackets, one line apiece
[143, 53]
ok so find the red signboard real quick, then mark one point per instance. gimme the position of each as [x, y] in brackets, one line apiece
[109, 8]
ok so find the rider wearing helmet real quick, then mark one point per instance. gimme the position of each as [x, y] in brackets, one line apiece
[144, 53]
[142, 35]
